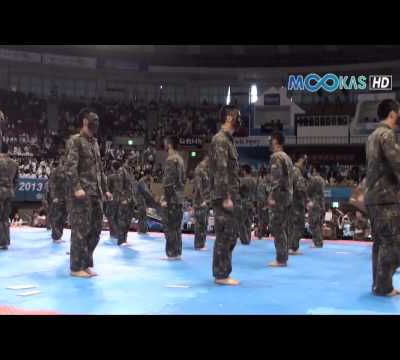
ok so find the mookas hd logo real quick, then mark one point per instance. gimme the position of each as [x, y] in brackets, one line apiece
[332, 82]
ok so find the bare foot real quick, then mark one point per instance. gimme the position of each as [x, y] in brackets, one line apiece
[394, 292]
[201, 249]
[124, 244]
[81, 274]
[91, 272]
[4, 248]
[293, 252]
[313, 246]
[277, 264]
[59, 241]
[171, 258]
[227, 281]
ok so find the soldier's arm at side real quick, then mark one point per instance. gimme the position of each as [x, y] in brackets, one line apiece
[276, 176]
[72, 164]
[221, 179]
[391, 151]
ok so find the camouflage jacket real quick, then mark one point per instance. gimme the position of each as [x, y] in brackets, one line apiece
[383, 167]
[315, 190]
[201, 184]
[128, 183]
[248, 189]
[263, 189]
[115, 186]
[8, 177]
[56, 183]
[281, 169]
[174, 179]
[83, 166]
[223, 167]
[299, 186]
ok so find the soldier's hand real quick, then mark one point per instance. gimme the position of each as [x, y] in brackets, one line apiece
[124, 202]
[163, 203]
[55, 200]
[227, 204]
[271, 203]
[203, 204]
[109, 196]
[80, 194]
[310, 204]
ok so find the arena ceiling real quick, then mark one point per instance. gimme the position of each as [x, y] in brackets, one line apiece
[230, 55]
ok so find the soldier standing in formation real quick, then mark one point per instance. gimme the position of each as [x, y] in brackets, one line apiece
[143, 195]
[247, 197]
[201, 202]
[224, 187]
[316, 207]
[298, 208]
[111, 207]
[8, 183]
[173, 185]
[382, 198]
[57, 213]
[262, 192]
[88, 186]
[126, 200]
[280, 198]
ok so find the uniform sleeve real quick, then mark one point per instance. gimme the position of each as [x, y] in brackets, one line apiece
[169, 180]
[110, 183]
[103, 179]
[276, 175]
[51, 184]
[72, 164]
[206, 195]
[391, 151]
[221, 179]
[15, 178]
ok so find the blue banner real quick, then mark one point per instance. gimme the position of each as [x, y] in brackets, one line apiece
[30, 190]
[339, 193]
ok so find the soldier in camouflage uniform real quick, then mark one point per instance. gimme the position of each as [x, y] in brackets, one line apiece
[125, 199]
[201, 203]
[143, 193]
[298, 208]
[280, 198]
[382, 198]
[247, 192]
[88, 186]
[316, 207]
[57, 206]
[114, 182]
[225, 197]
[262, 192]
[46, 201]
[173, 185]
[8, 183]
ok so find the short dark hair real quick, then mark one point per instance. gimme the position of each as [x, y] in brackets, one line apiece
[4, 148]
[246, 169]
[83, 113]
[226, 111]
[301, 156]
[115, 164]
[386, 106]
[172, 140]
[279, 137]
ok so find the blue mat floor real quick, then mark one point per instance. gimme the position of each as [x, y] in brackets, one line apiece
[133, 280]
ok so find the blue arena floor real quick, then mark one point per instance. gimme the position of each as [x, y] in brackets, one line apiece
[133, 280]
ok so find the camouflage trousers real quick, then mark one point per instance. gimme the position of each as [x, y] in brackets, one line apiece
[315, 215]
[111, 212]
[225, 239]
[5, 212]
[142, 219]
[124, 219]
[263, 220]
[57, 217]
[86, 222]
[385, 226]
[296, 225]
[279, 225]
[200, 226]
[172, 221]
[244, 222]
